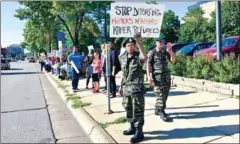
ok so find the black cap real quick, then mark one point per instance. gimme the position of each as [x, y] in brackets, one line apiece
[128, 40]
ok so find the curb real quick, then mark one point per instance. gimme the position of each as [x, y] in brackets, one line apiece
[96, 133]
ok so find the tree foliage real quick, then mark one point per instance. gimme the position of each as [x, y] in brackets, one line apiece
[170, 26]
[76, 18]
[199, 29]
[195, 26]
[41, 24]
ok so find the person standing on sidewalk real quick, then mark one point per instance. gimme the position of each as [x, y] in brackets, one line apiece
[77, 59]
[89, 70]
[96, 64]
[158, 62]
[42, 62]
[132, 87]
[115, 68]
[103, 58]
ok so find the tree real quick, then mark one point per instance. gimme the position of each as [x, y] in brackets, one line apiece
[73, 14]
[39, 14]
[195, 27]
[170, 26]
[230, 15]
[23, 45]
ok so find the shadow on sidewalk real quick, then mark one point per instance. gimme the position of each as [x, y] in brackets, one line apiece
[16, 69]
[184, 133]
[207, 106]
[19, 73]
[207, 114]
[171, 93]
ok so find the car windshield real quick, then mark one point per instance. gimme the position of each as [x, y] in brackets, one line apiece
[226, 42]
[187, 48]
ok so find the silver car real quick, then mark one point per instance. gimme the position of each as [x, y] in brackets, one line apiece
[5, 64]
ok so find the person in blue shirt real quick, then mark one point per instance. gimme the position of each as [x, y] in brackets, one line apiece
[77, 59]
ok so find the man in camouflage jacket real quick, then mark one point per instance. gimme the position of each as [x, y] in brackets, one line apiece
[157, 62]
[132, 87]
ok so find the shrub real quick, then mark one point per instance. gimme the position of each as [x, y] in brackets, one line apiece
[227, 70]
[195, 67]
[199, 67]
[179, 68]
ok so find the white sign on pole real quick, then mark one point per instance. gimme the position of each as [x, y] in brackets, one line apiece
[90, 47]
[60, 44]
[126, 19]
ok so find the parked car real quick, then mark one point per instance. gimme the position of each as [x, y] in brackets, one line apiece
[14, 60]
[192, 48]
[32, 60]
[8, 60]
[5, 64]
[229, 44]
[175, 47]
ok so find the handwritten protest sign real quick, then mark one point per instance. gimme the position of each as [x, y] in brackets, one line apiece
[126, 19]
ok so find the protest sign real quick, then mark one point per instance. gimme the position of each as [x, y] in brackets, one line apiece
[74, 66]
[126, 19]
[90, 47]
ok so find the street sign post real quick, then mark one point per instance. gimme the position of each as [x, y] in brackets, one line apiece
[108, 74]
[218, 30]
[60, 38]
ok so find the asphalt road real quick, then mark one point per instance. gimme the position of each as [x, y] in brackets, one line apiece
[24, 112]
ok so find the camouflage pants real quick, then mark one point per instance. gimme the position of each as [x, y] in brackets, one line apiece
[161, 89]
[134, 106]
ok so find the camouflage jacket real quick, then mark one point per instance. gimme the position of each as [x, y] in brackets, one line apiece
[133, 77]
[158, 61]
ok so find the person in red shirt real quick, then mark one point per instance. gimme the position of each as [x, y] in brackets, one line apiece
[52, 62]
[97, 65]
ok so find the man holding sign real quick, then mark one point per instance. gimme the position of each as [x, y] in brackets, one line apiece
[76, 60]
[158, 62]
[132, 87]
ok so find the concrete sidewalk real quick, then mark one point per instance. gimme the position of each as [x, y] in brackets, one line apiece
[198, 117]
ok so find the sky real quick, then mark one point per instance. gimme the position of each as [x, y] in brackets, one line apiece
[12, 27]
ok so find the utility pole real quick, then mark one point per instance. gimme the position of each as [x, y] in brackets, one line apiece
[218, 30]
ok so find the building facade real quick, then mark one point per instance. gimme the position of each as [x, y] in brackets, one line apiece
[15, 51]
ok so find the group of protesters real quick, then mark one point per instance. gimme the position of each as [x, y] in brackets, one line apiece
[92, 67]
[131, 62]
[56, 65]
[95, 63]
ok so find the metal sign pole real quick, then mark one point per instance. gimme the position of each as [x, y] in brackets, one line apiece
[108, 74]
[218, 30]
